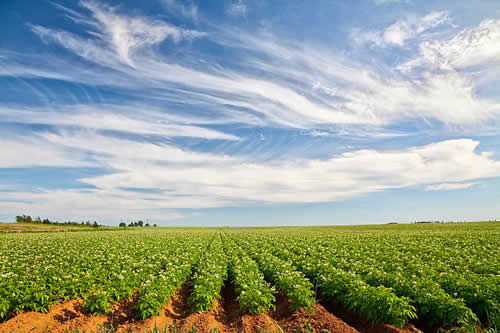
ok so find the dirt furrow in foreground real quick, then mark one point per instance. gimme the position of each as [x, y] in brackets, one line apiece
[226, 317]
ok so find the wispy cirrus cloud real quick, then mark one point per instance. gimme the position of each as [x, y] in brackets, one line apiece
[300, 85]
[116, 118]
[383, 2]
[475, 46]
[116, 34]
[24, 152]
[449, 186]
[398, 33]
[237, 8]
[189, 10]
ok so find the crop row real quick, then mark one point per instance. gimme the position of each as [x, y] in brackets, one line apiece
[255, 295]
[158, 289]
[209, 277]
[282, 274]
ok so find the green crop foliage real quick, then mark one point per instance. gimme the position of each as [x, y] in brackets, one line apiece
[444, 274]
[39, 270]
[282, 274]
[255, 295]
[209, 277]
[176, 269]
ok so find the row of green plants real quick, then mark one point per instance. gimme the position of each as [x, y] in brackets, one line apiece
[209, 277]
[255, 295]
[282, 274]
[158, 289]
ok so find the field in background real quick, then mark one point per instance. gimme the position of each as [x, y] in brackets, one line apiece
[37, 227]
[335, 278]
[413, 227]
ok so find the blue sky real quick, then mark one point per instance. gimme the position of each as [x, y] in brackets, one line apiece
[250, 112]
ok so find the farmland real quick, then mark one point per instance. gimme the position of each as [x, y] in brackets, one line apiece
[423, 276]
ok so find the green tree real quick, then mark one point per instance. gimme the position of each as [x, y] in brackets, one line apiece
[123, 225]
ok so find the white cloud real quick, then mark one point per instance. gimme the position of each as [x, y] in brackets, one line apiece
[128, 34]
[31, 152]
[180, 178]
[237, 8]
[383, 2]
[398, 33]
[18, 70]
[378, 98]
[187, 10]
[82, 205]
[449, 186]
[116, 34]
[110, 117]
[340, 177]
[479, 45]
[103, 147]
[189, 176]
[319, 133]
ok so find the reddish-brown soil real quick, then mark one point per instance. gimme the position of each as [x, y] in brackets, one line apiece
[364, 325]
[317, 319]
[226, 317]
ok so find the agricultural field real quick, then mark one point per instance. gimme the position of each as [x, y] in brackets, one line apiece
[17, 227]
[384, 278]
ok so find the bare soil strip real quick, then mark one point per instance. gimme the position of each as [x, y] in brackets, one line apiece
[227, 317]
[318, 318]
[364, 325]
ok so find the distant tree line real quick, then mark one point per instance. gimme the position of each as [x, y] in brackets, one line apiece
[135, 224]
[29, 219]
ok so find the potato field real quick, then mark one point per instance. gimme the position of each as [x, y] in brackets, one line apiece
[393, 278]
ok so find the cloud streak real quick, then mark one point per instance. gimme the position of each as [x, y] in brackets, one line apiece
[449, 186]
[237, 8]
[116, 34]
[398, 33]
[190, 11]
[111, 117]
[471, 47]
